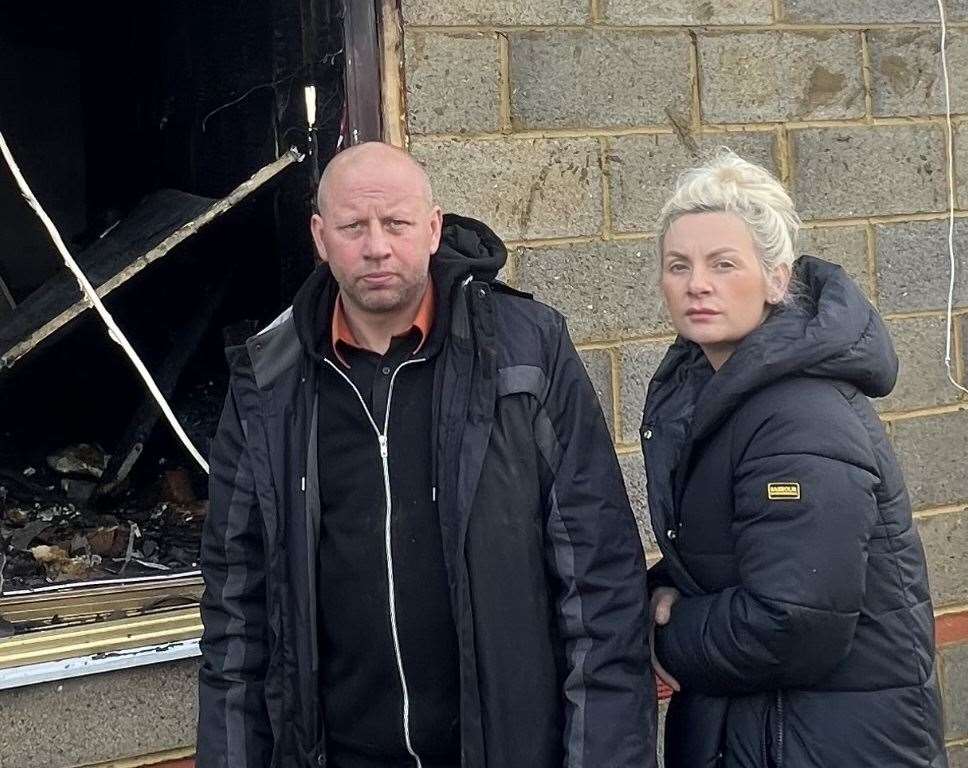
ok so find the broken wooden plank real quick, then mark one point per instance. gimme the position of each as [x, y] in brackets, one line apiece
[139, 429]
[37, 320]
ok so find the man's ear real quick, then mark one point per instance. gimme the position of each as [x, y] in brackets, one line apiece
[316, 226]
[436, 226]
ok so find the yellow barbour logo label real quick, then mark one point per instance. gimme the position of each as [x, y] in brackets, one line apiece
[784, 491]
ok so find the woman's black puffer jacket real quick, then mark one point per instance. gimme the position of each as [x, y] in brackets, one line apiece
[805, 633]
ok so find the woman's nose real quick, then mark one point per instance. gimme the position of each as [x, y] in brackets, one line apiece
[698, 282]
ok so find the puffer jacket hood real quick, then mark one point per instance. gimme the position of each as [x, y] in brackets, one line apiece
[467, 248]
[832, 332]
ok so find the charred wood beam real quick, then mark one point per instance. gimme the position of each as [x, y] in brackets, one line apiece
[20, 487]
[362, 50]
[142, 424]
[39, 319]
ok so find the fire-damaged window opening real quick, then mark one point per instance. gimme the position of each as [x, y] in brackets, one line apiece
[169, 142]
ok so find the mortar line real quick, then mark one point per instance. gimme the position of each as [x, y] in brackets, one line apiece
[938, 410]
[888, 429]
[166, 757]
[628, 449]
[870, 236]
[606, 179]
[615, 369]
[783, 157]
[939, 673]
[525, 134]
[951, 609]
[777, 12]
[657, 338]
[512, 268]
[655, 129]
[917, 314]
[890, 218]
[594, 12]
[694, 79]
[957, 344]
[954, 160]
[865, 69]
[832, 223]
[848, 122]
[947, 509]
[955, 742]
[463, 29]
[633, 236]
[504, 82]
[551, 242]
[909, 218]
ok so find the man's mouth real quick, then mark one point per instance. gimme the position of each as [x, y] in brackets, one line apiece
[376, 279]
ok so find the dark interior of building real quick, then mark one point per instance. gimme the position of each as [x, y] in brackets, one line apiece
[129, 122]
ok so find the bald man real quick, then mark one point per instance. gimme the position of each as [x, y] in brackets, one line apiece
[419, 551]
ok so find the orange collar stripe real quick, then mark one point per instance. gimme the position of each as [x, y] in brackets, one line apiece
[423, 322]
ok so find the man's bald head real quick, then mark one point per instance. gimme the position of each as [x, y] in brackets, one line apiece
[367, 157]
[377, 229]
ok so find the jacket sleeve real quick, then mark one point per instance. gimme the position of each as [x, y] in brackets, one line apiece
[659, 576]
[801, 555]
[609, 691]
[233, 725]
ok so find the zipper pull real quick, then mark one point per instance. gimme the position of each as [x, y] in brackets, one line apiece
[383, 446]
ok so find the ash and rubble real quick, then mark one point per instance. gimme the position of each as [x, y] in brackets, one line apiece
[55, 528]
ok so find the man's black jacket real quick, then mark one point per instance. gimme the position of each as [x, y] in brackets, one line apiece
[805, 637]
[546, 573]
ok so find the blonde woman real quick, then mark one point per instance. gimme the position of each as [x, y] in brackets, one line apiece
[791, 612]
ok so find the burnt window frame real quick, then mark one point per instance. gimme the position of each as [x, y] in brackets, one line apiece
[52, 653]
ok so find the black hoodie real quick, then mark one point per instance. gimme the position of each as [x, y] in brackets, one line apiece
[805, 634]
[361, 684]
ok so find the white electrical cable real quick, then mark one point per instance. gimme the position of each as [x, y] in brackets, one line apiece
[951, 198]
[88, 290]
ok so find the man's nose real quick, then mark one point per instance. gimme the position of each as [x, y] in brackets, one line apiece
[377, 242]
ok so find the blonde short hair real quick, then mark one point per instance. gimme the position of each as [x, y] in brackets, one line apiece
[730, 184]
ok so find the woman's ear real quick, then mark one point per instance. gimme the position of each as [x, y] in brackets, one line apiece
[777, 284]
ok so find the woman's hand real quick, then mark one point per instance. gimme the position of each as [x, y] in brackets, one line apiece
[660, 611]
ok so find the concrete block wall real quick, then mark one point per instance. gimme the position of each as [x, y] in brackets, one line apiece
[563, 123]
[102, 721]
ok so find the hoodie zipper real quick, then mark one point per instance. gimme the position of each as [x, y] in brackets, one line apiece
[385, 461]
